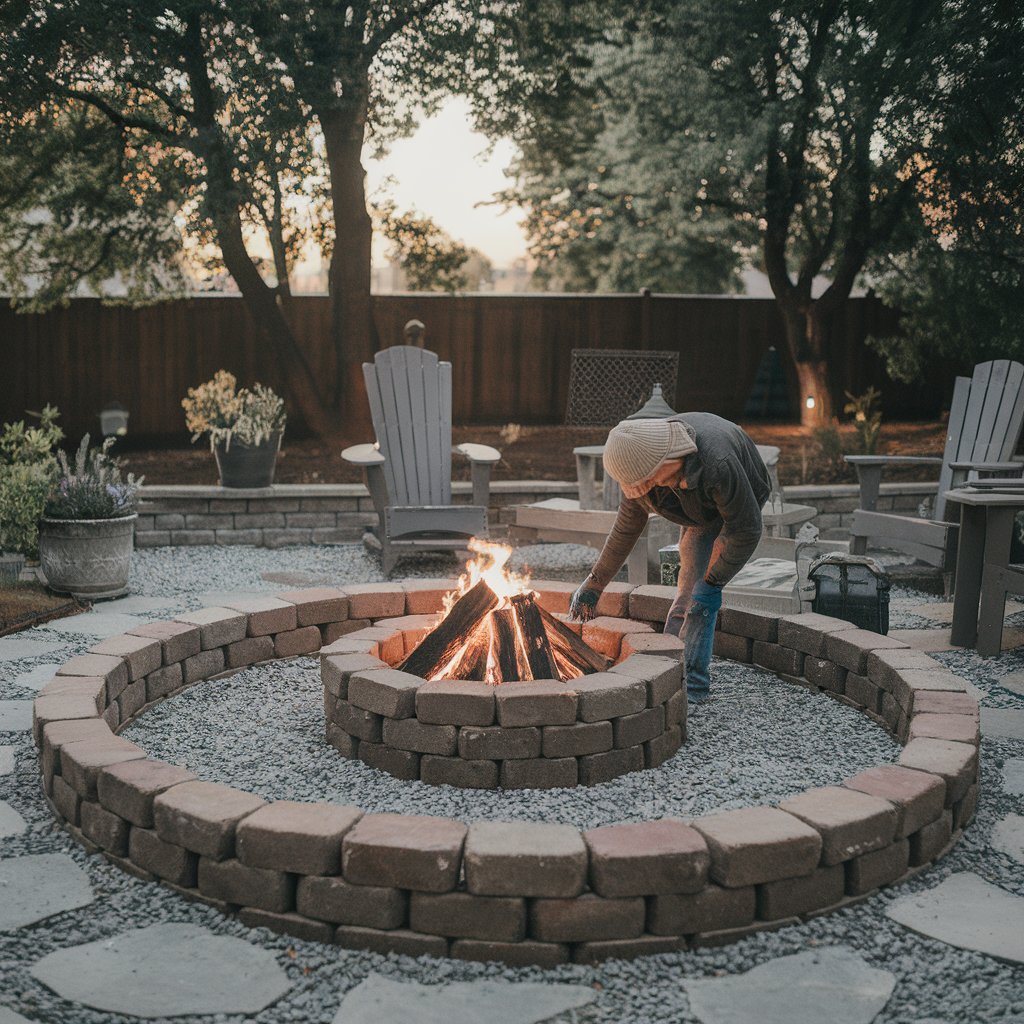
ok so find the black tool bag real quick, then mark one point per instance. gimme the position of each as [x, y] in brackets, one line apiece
[853, 588]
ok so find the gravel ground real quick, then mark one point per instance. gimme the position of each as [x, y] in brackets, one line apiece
[740, 738]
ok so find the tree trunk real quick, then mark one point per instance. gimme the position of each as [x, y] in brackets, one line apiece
[353, 332]
[807, 341]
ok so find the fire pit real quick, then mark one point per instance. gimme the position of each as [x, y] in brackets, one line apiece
[500, 691]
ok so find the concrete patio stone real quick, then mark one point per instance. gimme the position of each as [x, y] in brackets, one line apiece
[14, 648]
[794, 990]
[1008, 837]
[11, 822]
[966, 911]
[37, 677]
[1002, 723]
[1013, 776]
[187, 970]
[6, 760]
[38, 886]
[94, 624]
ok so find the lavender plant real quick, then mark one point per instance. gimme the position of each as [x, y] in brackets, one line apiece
[92, 488]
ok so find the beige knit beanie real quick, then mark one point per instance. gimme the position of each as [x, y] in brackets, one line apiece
[636, 448]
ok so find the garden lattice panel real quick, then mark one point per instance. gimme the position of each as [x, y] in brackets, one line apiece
[607, 385]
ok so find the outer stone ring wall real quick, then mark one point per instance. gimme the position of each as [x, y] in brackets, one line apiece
[518, 892]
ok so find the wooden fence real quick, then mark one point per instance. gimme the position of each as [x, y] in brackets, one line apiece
[510, 354]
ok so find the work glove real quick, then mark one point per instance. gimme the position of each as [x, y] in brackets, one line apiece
[708, 596]
[583, 606]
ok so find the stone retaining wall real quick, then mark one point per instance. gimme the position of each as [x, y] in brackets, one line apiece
[522, 893]
[338, 513]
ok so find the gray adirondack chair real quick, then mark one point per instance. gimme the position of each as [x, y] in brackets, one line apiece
[984, 424]
[408, 471]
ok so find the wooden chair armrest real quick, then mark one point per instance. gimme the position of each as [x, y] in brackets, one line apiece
[989, 467]
[363, 455]
[477, 452]
[893, 460]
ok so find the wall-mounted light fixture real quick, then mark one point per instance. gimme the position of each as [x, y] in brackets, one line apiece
[114, 420]
[810, 402]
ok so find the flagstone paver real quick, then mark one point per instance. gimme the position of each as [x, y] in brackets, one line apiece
[1002, 723]
[1013, 681]
[38, 677]
[6, 760]
[378, 999]
[15, 715]
[942, 611]
[138, 604]
[1008, 838]
[39, 886]
[10, 1017]
[966, 911]
[95, 624]
[794, 990]
[13, 648]
[1013, 776]
[11, 822]
[166, 970]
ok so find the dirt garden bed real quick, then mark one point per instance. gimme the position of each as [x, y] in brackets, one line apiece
[29, 604]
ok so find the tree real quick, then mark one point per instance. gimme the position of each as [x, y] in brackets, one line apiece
[804, 123]
[431, 259]
[243, 119]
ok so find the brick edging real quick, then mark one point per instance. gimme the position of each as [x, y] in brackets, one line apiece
[517, 892]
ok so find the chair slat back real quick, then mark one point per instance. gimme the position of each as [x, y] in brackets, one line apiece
[984, 421]
[410, 394]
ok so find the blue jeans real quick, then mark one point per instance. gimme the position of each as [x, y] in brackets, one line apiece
[692, 622]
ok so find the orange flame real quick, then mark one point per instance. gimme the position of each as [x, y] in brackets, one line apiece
[489, 565]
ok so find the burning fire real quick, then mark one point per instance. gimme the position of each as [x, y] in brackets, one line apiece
[489, 566]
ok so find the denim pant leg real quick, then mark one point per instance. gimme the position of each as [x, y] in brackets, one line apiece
[691, 622]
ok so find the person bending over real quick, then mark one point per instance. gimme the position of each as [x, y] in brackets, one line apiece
[704, 473]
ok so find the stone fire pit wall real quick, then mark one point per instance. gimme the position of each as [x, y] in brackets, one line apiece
[517, 892]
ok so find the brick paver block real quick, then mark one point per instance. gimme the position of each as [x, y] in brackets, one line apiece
[713, 908]
[786, 660]
[364, 725]
[404, 851]
[938, 702]
[651, 602]
[411, 734]
[129, 788]
[317, 605]
[525, 859]
[806, 632]
[179, 640]
[203, 816]
[868, 872]
[614, 601]
[965, 808]
[861, 690]
[930, 840]
[339, 902]
[332, 632]
[165, 860]
[384, 692]
[758, 844]
[80, 762]
[112, 668]
[732, 647]
[540, 702]
[664, 747]
[630, 730]
[540, 773]
[401, 941]
[302, 838]
[249, 651]
[236, 883]
[402, 764]
[955, 763]
[885, 665]
[917, 796]
[461, 915]
[202, 666]
[457, 771]
[587, 918]
[265, 615]
[605, 695]
[497, 743]
[141, 653]
[426, 597]
[662, 676]
[554, 595]
[218, 627]
[850, 822]
[515, 954]
[305, 640]
[104, 829]
[56, 734]
[658, 645]
[287, 924]
[66, 800]
[911, 681]
[376, 600]
[453, 702]
[575, 740]
[625, 949]
[756, 625]
[824, 673]
[337, 669]
[164, 681]
[598, 768]
[960, 728]
[851, 647]
[642, 859]
[790, 897]
[604, 634]
[92, 687]
[389, 644]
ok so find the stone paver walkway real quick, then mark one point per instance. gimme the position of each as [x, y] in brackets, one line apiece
[11, 822]
[966, 911]
[834, 983]
[10, 1017]
[1008, 838]
[6, 760]
[15, 715]
[1002, 723]
[94, 624]
[378, 1000]
[166, 970]
[1013, 776]
[38, 677]
[38, 886]
[16, 647]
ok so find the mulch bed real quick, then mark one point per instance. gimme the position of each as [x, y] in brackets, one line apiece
[29, 604]
[545, 453]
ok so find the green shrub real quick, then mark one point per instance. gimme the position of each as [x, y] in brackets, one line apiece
[93, 488]
[27, 472]
[867, 418]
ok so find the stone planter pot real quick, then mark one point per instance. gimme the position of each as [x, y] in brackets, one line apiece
[87, 558]
[10, 569]
[246, 465]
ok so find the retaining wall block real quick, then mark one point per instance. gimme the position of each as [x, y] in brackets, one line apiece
[302, 838]
[336, 901]
[218, 627]
[850, 822]
[129, 788]
[525, 859]
[202, 817]
[461, 915]
[917, 796]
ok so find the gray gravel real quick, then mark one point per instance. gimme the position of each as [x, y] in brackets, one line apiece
[934, 981]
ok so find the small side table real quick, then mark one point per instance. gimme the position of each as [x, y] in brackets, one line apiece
[986, 532]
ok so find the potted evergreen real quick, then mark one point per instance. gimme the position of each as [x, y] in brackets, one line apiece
[245, 427]
[87, 530]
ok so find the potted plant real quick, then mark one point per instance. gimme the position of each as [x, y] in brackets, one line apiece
[87, 530]
[245, 428]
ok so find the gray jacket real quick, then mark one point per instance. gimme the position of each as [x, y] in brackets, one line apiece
[724, 486]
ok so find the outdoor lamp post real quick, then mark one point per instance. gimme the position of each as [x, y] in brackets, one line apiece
[810, 402]
[114, 420]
